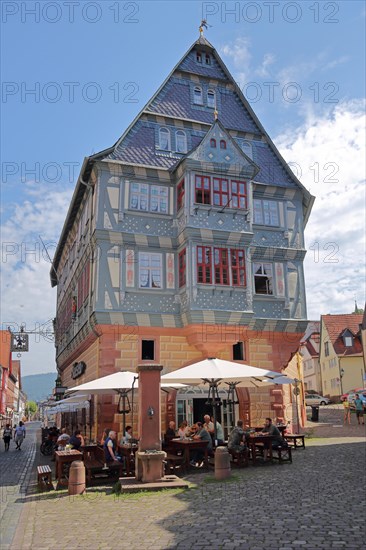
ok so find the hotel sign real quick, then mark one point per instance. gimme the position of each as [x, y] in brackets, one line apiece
[78, 369]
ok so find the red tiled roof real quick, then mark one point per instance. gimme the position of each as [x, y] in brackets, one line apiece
[309, 346]
[336, 325]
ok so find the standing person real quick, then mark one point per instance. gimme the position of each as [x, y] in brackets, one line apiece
[19, 435]
[7, 435]
[347, 411]
[359, 409]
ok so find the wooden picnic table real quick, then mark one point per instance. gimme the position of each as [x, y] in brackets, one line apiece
[186, 445]
[62, 458]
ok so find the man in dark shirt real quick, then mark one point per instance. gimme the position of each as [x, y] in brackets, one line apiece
[277, 440]
[169, 434]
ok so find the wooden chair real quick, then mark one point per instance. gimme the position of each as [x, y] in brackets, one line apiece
[296, 440]
[44, 475]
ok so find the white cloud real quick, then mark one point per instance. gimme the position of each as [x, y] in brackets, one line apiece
[239, 53]
[268, 60]
[330, 152]
[27, 297]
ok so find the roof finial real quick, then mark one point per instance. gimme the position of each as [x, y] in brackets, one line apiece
[216, 113]
[203, 24]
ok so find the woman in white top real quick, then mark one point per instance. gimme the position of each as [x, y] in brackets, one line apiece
[183, 429]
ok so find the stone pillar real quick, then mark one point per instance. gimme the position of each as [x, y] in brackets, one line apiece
[149, 401]
[149, 466]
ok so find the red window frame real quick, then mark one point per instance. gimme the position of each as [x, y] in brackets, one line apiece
[180, 194]
[221, 266]
[239, 198]
[220, 195]
[202, 189]
[213, 143]
[238, 274]
[222, 144]
[204, 264]
[182, 268]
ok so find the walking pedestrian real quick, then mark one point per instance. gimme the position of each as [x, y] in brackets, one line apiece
[7, 435]
[347, 411]
[19, 435]
[359, 409]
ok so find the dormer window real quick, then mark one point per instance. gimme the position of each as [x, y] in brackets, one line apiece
[348, 340]
[197, 95]
[164, 139]
[181, 141]
[211, 99]
[213, 143]
[246, 147]
[222, 144]
[198, 57]
[207, 59]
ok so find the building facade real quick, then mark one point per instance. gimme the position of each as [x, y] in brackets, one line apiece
[309, 349]
[341, 354]
[184, 240]
[12, 398]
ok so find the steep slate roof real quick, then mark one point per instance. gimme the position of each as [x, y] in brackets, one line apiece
[336, 325]
[137, 144]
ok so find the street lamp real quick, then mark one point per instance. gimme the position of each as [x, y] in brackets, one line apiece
[341, 374]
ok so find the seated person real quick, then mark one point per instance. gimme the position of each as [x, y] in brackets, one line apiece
[208, 424]
[110, 447]
[183, 430]
[76, 440]
[127, 438]
[63, 440]
[219, 432]
[169, 434]
[237, 438]
[202, 435]
[105, 435]
[277, 439]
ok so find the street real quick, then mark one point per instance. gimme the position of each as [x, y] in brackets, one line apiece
[317, 502]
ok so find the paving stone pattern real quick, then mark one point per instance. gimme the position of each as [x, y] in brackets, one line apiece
[317, 502]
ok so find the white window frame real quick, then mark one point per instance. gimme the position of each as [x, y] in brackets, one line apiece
[181, 135]
[166, 132]
[143, 196]
[211, 93]
[271, 278]
[196, 100]
[266, 212]
[154, 266]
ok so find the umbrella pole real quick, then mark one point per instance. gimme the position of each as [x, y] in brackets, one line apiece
[214, 385]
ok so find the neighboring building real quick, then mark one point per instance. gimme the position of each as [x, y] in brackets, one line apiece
[184, 240]
[12, 399]
[309, 349]
[341, 355]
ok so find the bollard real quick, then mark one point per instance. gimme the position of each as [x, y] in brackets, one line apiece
[222, 463]
[77, 478]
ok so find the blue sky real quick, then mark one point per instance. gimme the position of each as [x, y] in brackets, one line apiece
[300, 64]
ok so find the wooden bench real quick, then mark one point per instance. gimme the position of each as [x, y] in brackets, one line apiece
[240, 459]
[97, 471]
[173, 461]
[293, 440]
[44, 475]
[282, 454]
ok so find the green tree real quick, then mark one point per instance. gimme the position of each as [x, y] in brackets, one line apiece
[31, 408]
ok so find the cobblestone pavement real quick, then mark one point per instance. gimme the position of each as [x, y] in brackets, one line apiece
[15, 471]
[317, 502]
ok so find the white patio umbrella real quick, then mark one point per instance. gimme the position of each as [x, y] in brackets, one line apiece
[213, 371]
[122, 383]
